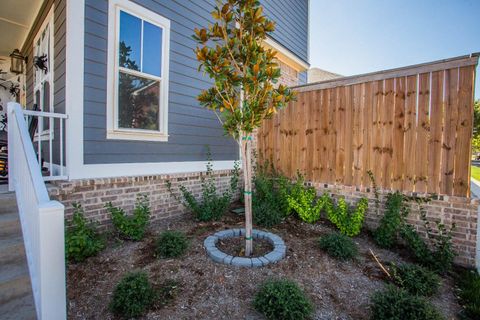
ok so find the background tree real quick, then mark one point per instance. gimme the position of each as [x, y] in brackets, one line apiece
[476, 127]
[245, 73]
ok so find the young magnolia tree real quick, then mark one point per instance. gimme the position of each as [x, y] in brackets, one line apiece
[245, 75]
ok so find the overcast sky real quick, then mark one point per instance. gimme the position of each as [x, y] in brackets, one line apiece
[351, 36]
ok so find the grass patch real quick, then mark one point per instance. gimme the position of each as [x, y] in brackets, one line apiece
[475, 173]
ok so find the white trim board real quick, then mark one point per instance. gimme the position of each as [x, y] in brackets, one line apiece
[91, 171]
[286, 56]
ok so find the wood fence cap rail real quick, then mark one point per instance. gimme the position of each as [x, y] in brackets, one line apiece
[456, 62]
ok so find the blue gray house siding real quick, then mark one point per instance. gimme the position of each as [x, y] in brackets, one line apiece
[190, 127]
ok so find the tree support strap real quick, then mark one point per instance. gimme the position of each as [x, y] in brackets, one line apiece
[247, 138]
[248, 238]
[247, 192]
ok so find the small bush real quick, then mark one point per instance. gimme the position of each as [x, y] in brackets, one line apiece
[438, 255]
[468, 284]
[81, 238]
[131, 227]
[391, 223]
[398, 304]
[132, 296]
[171, 244]
[270, 206]
[415, 279]
[282, 299]
[302, 200]
[266, 214]
[338, 246]
[211, 205]
[348, 221]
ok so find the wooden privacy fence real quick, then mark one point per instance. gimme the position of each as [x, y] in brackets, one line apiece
[411, 127]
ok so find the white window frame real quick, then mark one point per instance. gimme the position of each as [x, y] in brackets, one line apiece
[113, 131]
[46, 134]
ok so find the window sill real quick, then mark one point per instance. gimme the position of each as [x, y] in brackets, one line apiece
[137, 136]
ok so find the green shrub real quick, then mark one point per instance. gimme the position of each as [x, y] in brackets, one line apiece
[270, 205]
[131, 227]
[338, 246]
[171, 244]
[302, 200]
[468, 284]
[391, 223]
[266, 214]
[415, 279]
[132, 296]
[282, 299]
[397, 304]
[438, 254]
[211, 205]
[348, 221]
[81, 238]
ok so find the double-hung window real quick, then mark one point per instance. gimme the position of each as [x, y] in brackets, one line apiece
[138, 73]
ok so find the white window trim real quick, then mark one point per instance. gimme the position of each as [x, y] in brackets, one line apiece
[113, 132]
[46, 134]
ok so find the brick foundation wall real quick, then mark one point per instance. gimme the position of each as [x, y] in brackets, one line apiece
[93, 194]
[446, 209]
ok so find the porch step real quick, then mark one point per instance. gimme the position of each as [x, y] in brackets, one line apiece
[16, 298]
[9, 225]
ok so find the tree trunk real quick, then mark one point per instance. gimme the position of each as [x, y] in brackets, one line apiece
[247, 178]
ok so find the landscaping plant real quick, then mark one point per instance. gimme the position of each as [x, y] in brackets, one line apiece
[302, 200]
[270, 206]
[81, 238]
[397, 304]
[392, 222]
[348, 221]
[282, 299]
[245, 74]
[211, 205]
[415, 279]
[436, 254]
[131, 227]
[133, 296]
[338, 246]
[468, 283]
[171, 244]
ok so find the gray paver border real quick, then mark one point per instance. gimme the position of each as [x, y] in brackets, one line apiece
[277, 254]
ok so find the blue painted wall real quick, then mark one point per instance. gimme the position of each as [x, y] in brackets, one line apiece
[191, 127]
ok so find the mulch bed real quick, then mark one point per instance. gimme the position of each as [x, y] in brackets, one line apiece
[207, 290]
[236, 247]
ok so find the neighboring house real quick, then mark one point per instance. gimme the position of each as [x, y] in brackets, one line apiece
[317, 75]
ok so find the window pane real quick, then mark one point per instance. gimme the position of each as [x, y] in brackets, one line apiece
[152, 49]
[130, 39]
[138, 102]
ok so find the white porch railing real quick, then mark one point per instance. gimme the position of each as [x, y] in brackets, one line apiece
[42, 220]
[46, 138]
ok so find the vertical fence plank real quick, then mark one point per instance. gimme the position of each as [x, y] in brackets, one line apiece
[367, 102]
[398, 133]
[340, 134]
[436, 128]
[348, 146]
[410, 133]
[377, 131]
[451, 115]
[358, 130]
[423, 130]
[387, 151]
[464, 131]
[309, 133]
[331, 111]
[321, 136]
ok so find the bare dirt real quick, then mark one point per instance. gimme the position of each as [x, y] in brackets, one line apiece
[236, 247]
[207, 290]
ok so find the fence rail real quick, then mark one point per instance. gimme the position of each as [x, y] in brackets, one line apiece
[42, 220]
[411, 127]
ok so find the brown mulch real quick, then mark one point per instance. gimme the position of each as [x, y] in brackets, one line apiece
[236, 247]
[207, 290]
